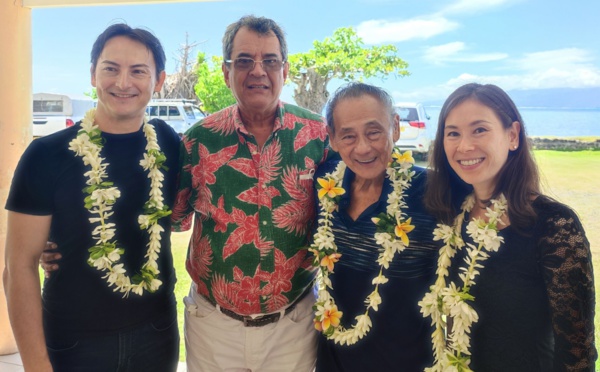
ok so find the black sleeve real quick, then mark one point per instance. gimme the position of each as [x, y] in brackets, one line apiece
[566, 264]
[33, 182]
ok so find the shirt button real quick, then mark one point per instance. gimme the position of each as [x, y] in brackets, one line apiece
[264, 186]
[264, 223]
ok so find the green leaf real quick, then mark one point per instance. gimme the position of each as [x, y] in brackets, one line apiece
[340, 56]
[211, 88]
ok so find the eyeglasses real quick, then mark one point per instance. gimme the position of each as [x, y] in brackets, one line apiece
[247, 64]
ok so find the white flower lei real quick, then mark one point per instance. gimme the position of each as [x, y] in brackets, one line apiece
[327, 317]
[452, 351]
[101, 195]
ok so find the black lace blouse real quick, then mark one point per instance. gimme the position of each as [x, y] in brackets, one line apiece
[535, 297]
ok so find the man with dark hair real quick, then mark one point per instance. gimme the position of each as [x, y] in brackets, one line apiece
[102, 191]
[247, 178]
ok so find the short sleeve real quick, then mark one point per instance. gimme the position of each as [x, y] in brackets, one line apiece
[183, 213]
[32, 186]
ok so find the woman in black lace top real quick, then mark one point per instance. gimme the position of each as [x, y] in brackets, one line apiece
[534, 296]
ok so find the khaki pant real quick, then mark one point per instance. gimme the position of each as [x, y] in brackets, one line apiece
[215, 342]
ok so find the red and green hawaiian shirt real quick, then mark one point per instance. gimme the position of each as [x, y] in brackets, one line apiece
[253, 208]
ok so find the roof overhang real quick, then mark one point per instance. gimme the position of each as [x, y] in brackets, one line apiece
[64, 3]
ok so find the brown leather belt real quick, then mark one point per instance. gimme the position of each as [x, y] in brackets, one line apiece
[260, 320]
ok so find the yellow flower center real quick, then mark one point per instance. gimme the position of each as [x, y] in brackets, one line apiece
[328, 188]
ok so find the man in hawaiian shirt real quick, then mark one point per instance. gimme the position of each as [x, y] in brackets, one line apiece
[247, 179]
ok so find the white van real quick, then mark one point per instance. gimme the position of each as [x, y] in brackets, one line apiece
[413, 123]
[180, 114]
[53, 112]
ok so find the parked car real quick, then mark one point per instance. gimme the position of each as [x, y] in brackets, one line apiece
[413, 123]
[180, 114]
[53, 112]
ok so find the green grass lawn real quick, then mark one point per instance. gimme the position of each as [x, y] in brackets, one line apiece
[179, 243]
[570, 177]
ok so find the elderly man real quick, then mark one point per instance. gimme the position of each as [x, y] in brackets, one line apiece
[100, 191]
[373, 181]
[247, 177]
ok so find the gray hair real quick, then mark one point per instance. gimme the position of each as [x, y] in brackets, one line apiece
[357, 90]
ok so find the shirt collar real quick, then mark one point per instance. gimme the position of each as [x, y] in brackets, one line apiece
[241, 128]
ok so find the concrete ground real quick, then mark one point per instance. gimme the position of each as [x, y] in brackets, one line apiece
[12, 363]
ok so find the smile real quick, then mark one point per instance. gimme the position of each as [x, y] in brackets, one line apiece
[123, 95]
[366, 161]
[258, 87]
[470, 162]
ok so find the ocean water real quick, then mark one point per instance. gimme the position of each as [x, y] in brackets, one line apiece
[546, 121]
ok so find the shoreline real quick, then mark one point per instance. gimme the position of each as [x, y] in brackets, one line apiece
[565, 143]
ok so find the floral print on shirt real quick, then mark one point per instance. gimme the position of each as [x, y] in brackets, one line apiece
[253, 208]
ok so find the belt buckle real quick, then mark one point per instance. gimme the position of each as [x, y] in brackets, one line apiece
[260, 321]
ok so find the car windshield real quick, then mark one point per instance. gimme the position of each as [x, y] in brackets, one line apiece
[199, 114]
[407, 113]
[189, 112]
[47, 106]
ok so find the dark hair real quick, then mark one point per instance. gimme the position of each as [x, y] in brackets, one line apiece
[357, 90]
[142, 36]
[261, 25]
[518, 179]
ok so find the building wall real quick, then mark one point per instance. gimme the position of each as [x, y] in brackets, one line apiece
[15, 122]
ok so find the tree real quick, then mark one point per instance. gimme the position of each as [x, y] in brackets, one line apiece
[181, 83]
[92, 94]
[341, 56]
[211, 87]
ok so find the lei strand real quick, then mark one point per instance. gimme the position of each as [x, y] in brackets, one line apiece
[101, 194]
[451, 352]
[391, 235]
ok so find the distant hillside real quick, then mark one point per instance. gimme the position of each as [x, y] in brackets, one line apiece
[554, 98]
[557, 98]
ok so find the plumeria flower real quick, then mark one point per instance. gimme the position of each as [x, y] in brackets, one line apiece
[331, 317]
[403, 157]
[329, 188]
[330, 260]
[402, 228]
[326, 255]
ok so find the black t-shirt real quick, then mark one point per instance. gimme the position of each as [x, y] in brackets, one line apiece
[49, 180]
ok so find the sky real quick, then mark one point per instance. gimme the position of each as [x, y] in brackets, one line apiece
[516, 44]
